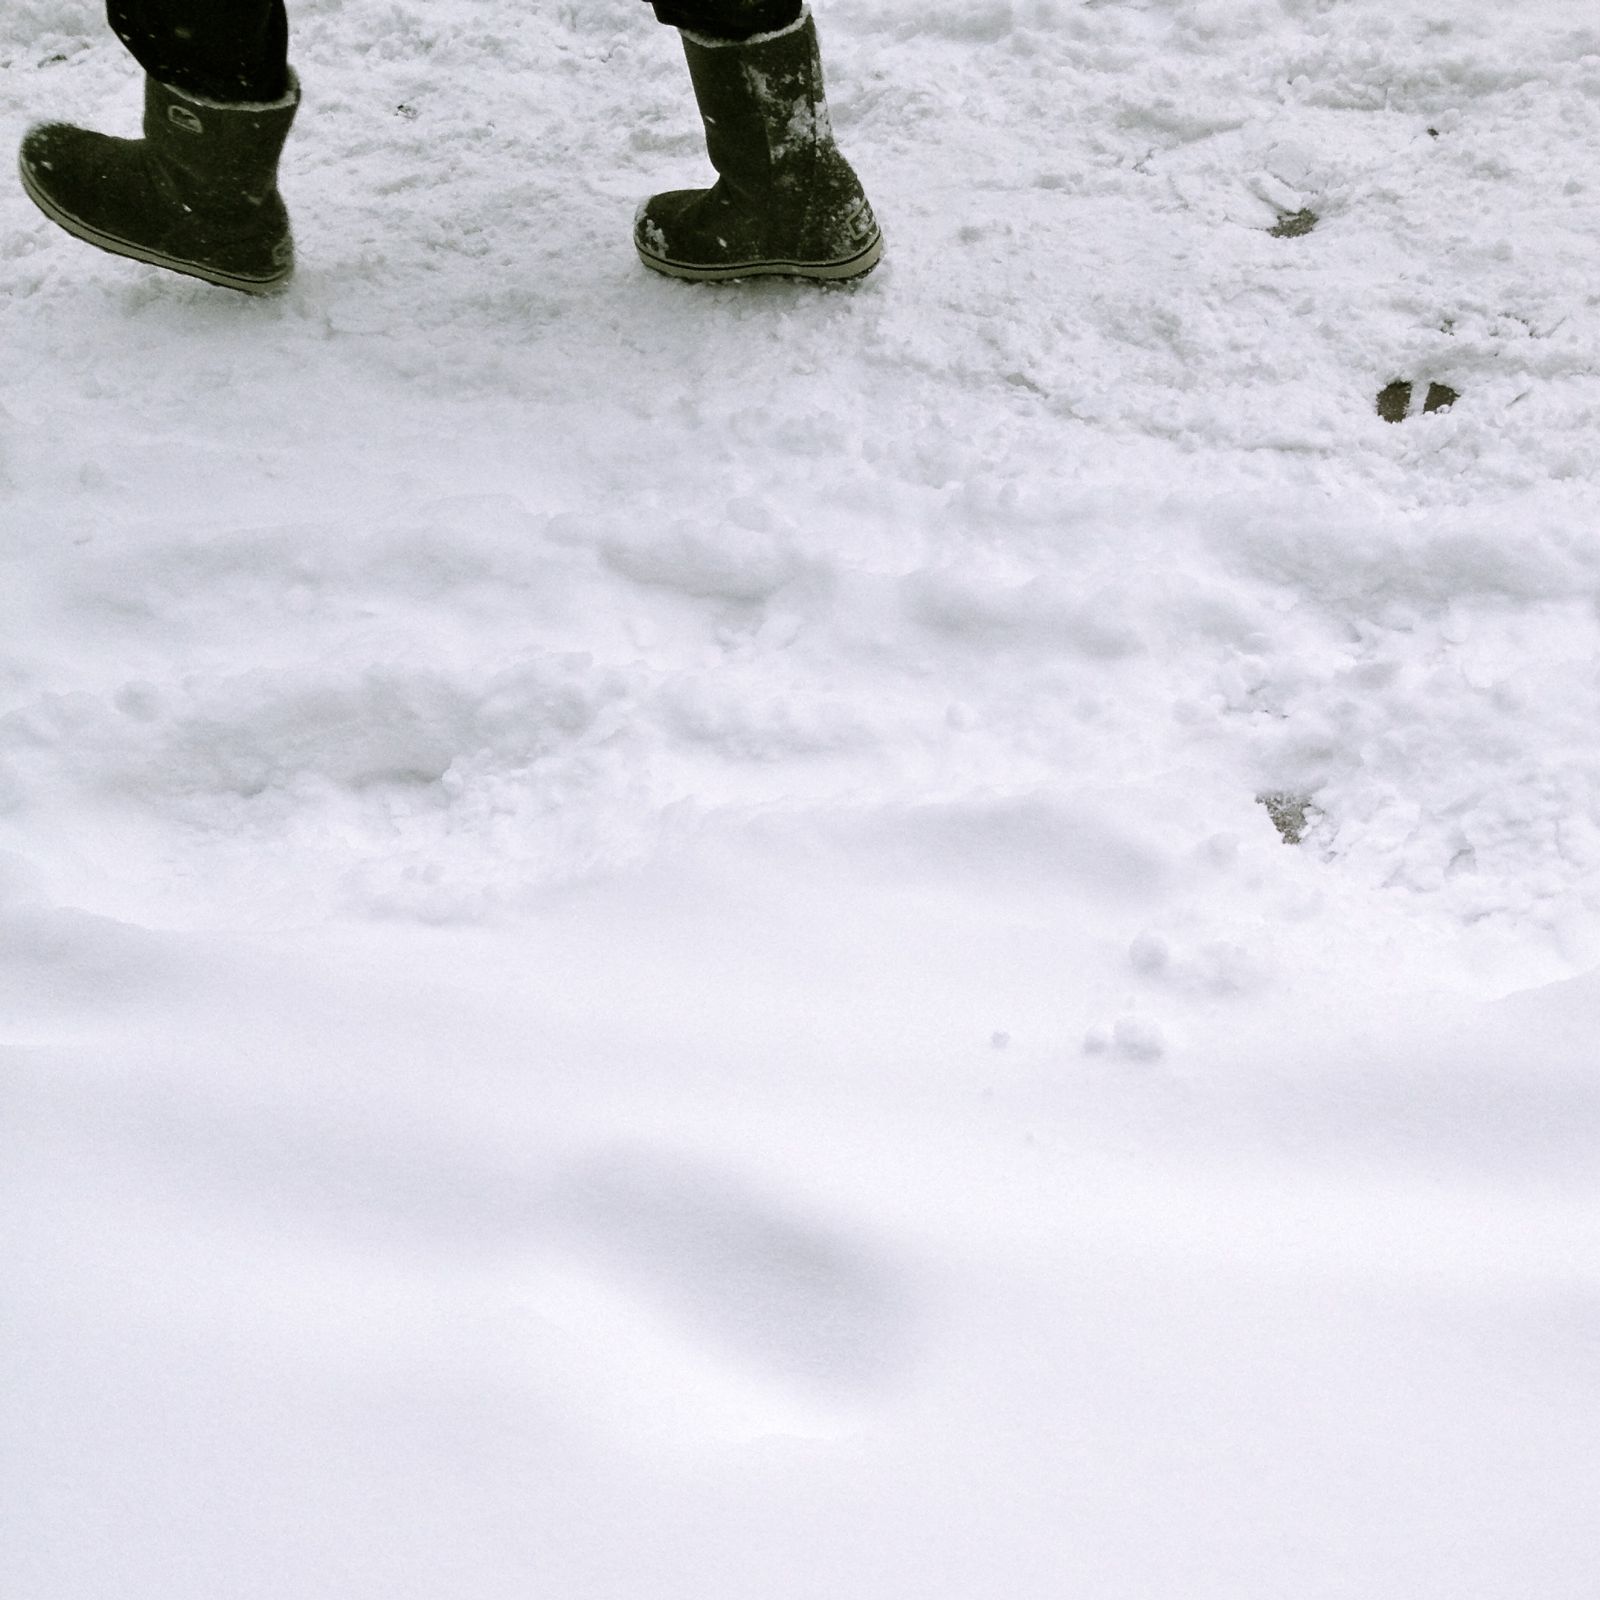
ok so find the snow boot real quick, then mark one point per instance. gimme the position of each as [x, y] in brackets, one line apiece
[198, 194]
[785, 202]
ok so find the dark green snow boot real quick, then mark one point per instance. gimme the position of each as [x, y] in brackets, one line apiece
[198, 194]
[785, 202]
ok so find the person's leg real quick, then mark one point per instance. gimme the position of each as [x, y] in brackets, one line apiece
[734, 20]
[198, 193]
[227, 50]
[786, 202]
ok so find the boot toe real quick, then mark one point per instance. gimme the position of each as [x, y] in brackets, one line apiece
[56, 163]
[49, 151]
[667, 227]
[649, 234]
[42, 142]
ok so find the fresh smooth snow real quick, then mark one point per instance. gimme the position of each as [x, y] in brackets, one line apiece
[638, 952]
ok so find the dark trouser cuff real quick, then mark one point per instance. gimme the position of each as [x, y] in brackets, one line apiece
[230, 51]
[728, 19]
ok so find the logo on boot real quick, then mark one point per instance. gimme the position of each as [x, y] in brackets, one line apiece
[183, 117]
[860, 220]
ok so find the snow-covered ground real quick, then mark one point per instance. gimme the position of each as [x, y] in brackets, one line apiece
[638, 955]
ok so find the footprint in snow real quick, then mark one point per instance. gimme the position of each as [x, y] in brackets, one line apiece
[762, 1283]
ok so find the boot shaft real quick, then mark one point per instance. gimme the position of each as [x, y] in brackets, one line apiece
[217, 158]
[763, 105]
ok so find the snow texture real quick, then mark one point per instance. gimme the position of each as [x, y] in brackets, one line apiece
[638, 950]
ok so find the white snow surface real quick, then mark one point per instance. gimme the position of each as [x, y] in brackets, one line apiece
[637, 953]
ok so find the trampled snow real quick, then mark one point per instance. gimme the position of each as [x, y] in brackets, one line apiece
[638, 950]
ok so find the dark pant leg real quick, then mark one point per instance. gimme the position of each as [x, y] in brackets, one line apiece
[229, 50]
[727, 19]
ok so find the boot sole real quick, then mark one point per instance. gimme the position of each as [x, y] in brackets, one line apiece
[79, 229]
[856, 266]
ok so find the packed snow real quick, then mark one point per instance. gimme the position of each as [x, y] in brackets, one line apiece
[938, 938]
